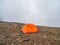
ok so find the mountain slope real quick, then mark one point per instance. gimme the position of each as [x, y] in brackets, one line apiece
[11, 34]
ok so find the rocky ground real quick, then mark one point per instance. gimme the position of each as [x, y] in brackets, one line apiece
[11, 34]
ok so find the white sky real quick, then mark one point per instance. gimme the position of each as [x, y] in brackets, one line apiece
[39, 12]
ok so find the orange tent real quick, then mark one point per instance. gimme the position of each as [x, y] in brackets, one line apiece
[29, 28]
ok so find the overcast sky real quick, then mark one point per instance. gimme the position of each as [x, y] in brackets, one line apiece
[39, 12]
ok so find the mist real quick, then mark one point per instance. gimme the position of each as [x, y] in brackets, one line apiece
[39, 12]
[1, 18]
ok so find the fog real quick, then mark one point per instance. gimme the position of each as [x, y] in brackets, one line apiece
[1, 18]
[39, 12]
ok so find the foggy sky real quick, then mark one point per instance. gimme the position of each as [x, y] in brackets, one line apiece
[1, 18]
[39, 12]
